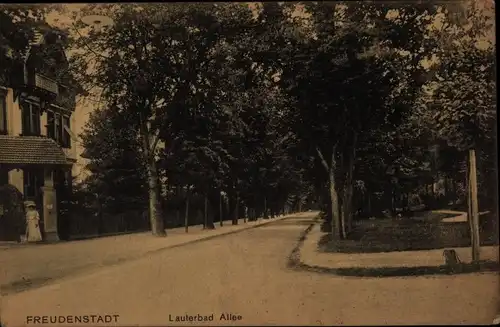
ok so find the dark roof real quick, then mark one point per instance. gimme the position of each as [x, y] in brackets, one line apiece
[30, 150]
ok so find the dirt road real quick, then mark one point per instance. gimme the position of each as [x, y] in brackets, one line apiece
[243, 279]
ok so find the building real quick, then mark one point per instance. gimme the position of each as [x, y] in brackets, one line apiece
[37, 151]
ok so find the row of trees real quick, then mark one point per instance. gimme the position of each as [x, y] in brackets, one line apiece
[262, 102]
[275, 104]
[200, 113]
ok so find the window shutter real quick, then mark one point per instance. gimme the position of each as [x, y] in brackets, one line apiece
[58, 130]
[26, 117]
[50, 124]
[35, 112]
[3, 114]
[65, 132]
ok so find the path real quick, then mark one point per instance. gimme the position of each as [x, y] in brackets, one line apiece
[246, 274]
[460, 216]
[26, 266]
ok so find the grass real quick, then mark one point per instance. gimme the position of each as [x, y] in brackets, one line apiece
[423, 231]
[295, 262]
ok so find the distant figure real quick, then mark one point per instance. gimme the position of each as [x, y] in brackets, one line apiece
[33, 233]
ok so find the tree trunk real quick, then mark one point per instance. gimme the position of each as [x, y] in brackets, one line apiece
[245, 214]
[155, 214]
[393, 201]
[205, 212]
[349, 189]
[333, 202]
[236, 211]
[335, 222]
[347, 207]
[186, 217]
[228, 208]
[341, 194]
[369, 204]
[453, 190]
[473, 207]
[265, 208]
[220, 208]
[100, 227]
[210, 213]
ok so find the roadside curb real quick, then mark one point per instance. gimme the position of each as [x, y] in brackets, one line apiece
[295, 262]
[24, 285]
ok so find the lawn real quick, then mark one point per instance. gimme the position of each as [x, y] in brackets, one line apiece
[423, 231]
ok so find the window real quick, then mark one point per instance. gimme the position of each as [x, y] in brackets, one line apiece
[3, 114]
[33, 181]
[57, 128]
[31, 119]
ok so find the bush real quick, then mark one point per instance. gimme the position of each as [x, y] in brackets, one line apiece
[12, 222]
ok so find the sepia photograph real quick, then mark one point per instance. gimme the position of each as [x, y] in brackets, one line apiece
[249, 164]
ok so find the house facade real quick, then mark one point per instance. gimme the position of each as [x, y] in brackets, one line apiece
[37, 151]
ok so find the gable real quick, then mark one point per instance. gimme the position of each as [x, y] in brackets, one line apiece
[47, 57]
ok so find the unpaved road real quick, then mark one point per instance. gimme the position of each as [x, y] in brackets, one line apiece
[245, 274]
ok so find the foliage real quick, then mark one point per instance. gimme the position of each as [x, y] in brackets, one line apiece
[272, 107]
[18, 24]
[16, 32]
[352, 73]
[118, 171]
[459, 102]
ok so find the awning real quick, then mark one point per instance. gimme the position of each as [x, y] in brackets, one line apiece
[30, 150]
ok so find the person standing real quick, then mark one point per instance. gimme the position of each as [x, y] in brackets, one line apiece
[33, 233]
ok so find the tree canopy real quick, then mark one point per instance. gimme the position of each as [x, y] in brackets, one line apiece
[277, 103]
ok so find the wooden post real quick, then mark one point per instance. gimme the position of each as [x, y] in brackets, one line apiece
[474, 208]
[220, 208]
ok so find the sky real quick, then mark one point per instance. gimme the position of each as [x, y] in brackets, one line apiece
[86, 106]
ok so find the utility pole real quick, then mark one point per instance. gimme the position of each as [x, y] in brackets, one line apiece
[473, 209]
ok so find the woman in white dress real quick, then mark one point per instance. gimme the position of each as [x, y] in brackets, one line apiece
[33, 233]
